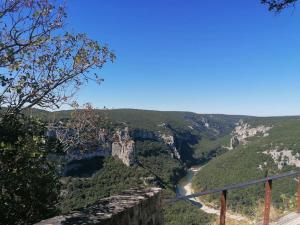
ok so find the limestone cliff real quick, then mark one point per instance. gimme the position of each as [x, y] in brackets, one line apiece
[119, 145]
[243, 131]
[103, 150]
[283, 157]
[169, 140]
[123, 147]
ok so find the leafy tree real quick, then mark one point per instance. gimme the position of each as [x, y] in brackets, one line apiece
[278, 5]
[41, 65]
[85, 129]
[29, 185]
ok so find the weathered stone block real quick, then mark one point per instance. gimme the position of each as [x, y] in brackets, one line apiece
[132, 207]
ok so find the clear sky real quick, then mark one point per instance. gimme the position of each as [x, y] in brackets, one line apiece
[221, 56]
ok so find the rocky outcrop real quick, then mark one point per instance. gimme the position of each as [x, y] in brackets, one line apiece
[132, 207]
[234, 142]
[169, 140]
[149, 181]
[205, 122]
[144, 134]
[103, 150]
[243, 131]
[122, 143]
[283, 157]
[119, 145]
[198, 124]
[123, 147]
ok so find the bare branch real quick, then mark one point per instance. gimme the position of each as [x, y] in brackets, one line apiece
[85, 130]
[42, 66]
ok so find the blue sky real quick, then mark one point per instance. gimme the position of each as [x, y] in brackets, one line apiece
[219, 56]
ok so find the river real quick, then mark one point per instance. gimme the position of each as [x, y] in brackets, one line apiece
[184, 187]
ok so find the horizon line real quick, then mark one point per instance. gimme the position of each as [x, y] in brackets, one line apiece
[182, 111]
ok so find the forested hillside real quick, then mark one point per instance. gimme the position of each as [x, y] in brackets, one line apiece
[197, 138]
[275, 152]
[232, 148]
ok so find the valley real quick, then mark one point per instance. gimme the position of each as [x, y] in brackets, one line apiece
[110, 110]
[167, 146]
[184, 187]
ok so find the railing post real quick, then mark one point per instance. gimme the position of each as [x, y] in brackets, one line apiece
[223, 207]
[268, 190]
[298, 195]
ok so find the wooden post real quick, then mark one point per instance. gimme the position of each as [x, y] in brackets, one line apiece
[268, 190]
[223, 207]
[298, 195]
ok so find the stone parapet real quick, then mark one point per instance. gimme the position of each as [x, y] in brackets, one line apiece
[132, 207]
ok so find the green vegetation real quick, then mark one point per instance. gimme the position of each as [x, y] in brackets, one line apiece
[155, 158]
[29, 183]
[151, 120]
[199, 139]
[112, 178]
[35, 57]
[84, 167]
[242, 164]
[207, 149]
[188, 129]
[40, 66]
[196, 144]
[184, 213]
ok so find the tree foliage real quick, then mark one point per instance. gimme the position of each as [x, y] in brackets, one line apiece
[29, 185]
[184, 213]
[85, 129]
[250, 162]
[278, 5]
[41, 65]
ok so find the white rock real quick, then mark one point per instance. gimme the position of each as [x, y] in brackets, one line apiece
[283, 157]
[243, 131]
[169, 140]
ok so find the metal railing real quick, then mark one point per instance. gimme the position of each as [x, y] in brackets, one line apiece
[268, 189]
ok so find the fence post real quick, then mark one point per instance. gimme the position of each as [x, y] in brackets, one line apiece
[298, 195]
[268, 189]
[223, 207]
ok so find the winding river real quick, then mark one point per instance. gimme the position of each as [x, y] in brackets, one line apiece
[184, 187]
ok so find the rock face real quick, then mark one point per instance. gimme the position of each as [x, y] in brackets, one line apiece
[104, 151]
[132, 207]
[158, 136]
[143, 134]
[120, 145]
[169, 140]
[243, 131]
[123, 147]
[149, 181]
[283, 157]
[234, 142]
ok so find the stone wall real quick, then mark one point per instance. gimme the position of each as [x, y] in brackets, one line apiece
[132, 207]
